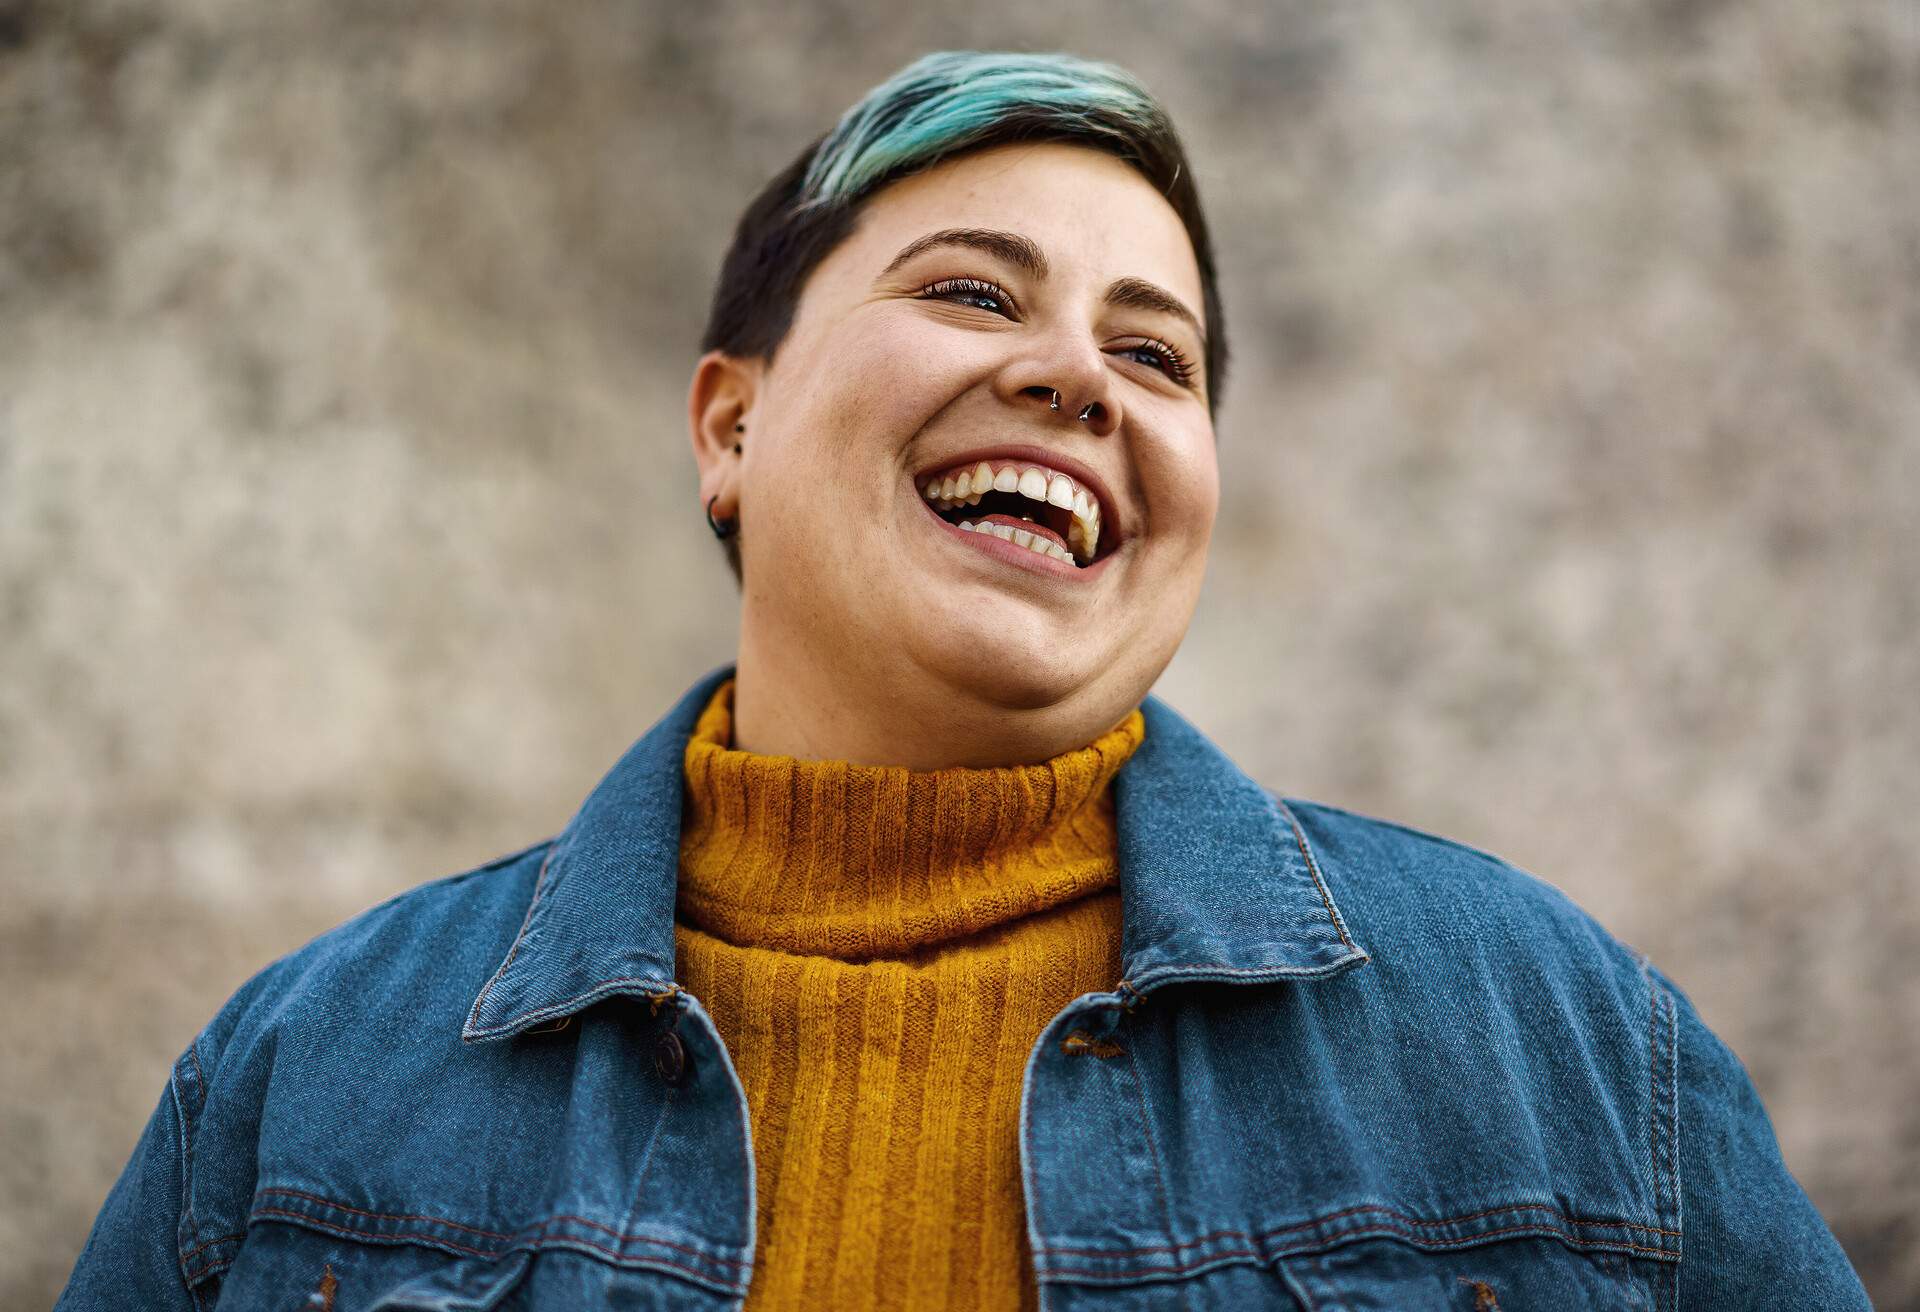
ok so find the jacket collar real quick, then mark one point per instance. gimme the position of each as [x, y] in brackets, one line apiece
[1217, 880]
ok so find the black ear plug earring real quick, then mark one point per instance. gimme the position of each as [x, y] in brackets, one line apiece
[724, 528]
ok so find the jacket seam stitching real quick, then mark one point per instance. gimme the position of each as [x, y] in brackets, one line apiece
[212, 1243]
[1567, 1217]
[1275, 971]
[1153, 1149]
[653, 1146]
[1653, 1106]
[1673, 1128]
[539, 890]
[1313, 869]
[519, 1245]
[593, 994]
[502, 1236]
[1373, 1229]
[186, 1115]
[1665, 1155]
[1653, 1089]
[213, 1264]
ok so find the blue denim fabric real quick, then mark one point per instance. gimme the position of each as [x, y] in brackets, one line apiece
[1351, 1066]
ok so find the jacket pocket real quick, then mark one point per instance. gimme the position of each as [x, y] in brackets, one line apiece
[1513, 1274]
[299, 1268]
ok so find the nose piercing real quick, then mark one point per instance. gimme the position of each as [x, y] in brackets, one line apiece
[1055, 405]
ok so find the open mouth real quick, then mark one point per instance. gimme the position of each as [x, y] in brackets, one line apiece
[1021, 502]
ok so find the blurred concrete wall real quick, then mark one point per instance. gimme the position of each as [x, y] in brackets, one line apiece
[347, 526]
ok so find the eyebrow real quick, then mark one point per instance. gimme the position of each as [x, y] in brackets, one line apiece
[1023, 253]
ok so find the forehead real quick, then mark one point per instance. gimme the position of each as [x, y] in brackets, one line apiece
[1095, 217]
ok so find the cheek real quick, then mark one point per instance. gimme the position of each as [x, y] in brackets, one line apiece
[850, 396]
[886, 370]
[1184, 491]
[1207, 478]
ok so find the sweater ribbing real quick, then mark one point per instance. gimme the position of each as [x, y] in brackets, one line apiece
[879, 949]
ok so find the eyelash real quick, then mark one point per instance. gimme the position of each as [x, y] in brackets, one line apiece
[1174, 362]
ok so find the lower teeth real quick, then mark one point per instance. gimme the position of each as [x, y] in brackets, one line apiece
[1037, 544]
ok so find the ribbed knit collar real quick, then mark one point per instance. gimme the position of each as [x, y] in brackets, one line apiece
[856, 861]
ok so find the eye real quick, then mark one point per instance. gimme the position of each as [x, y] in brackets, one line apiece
[957, 289]
[1167, 358]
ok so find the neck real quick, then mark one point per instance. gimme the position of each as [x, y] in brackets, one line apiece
[787, 705]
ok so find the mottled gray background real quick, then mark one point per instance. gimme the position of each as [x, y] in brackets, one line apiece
[348, 530]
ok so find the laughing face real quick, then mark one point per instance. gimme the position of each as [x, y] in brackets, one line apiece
[977, 482]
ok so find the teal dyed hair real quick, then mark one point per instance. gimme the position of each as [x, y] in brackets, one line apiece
[943, 105]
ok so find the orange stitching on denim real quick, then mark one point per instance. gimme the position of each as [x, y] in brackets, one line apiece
[654, 1000]
[328, 1287]
[213, 1264]
[1080, 1041]
[470, 1250]
[502, 1236]
[399, 1216]
[1484, 1299]
[223, 1239]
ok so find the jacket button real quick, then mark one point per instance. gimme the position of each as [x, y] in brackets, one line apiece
[670, 1058]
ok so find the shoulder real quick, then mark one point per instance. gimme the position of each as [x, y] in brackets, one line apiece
[1411, 892]
[1460, 936]
[421, 954]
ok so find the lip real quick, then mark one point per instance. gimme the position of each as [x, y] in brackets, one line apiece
[1059, 461]
[1018, 555]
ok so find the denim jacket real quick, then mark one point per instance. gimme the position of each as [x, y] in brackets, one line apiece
[1350, 1066]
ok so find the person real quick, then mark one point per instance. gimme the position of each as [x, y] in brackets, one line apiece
[920, 957]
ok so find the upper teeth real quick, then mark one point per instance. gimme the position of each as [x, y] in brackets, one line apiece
[968, 485]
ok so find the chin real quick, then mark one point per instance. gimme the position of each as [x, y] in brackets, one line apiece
[1012, 674]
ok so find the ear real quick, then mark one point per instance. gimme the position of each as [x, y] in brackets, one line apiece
[718, 402]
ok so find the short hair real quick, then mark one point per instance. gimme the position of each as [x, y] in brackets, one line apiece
[943, 105]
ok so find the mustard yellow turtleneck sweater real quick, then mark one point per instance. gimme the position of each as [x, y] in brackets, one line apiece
[880, 948]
